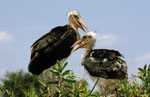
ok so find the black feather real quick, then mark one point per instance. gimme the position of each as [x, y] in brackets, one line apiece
[106, 64]
[53, 46]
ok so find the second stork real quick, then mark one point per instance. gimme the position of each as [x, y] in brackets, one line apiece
[103, 64]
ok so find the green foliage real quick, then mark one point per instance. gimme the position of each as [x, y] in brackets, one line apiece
[145, 76]
[132, 88]
[128, 90]
[3, 89]
[30, 92]
[18, 81]
[66, 84]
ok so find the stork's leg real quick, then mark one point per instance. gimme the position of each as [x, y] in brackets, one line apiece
[94, 86]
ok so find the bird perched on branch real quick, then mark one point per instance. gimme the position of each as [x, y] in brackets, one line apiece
[56, 44]
[103, 64]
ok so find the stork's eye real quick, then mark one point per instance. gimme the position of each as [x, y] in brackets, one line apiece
[90, 37]
[76, 16]
[84, 37]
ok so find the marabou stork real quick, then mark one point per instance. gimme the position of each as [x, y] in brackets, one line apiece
[103, 64]
[56, 44]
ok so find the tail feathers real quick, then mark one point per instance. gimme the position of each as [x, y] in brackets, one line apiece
[34, 69]
[38, 65]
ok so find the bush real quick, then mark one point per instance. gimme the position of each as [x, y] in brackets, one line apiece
[66, 84]
[15, 82]
[132, 88]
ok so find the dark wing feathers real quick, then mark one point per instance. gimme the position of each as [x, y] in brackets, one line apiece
[47, 40]
[105, 53]
[106, 64]
[51, 47]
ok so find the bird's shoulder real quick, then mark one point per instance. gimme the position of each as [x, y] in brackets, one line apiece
[53, 33]
[105, 53]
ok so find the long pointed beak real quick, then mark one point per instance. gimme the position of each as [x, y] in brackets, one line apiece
[81, 44]
[81, 25]
[77, 42]
[79, 22]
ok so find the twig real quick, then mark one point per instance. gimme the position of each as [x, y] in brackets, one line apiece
[60, 86]
[41, 83]
[53, 86]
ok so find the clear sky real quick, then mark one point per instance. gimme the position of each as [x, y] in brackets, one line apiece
[123, 25]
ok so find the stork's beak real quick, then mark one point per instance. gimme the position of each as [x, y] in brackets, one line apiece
[79, 23]
[81, 44]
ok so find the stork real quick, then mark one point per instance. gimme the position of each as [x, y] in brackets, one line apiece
[56, 44]
[103, 64]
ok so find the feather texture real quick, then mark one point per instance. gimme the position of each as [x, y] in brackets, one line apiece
[106, 64]
[53, 46]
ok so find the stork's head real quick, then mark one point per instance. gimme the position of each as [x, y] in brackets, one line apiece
[76, 21]
[87, 41]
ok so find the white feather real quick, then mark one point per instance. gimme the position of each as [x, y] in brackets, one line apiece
[72, 13]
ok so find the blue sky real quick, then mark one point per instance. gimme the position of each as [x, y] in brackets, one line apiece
[123, 25]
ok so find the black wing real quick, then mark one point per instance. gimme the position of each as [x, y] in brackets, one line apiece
[106, 64]
[51, 47]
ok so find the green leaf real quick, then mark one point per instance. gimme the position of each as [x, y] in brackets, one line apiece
[59, 66]
[32, 93]
[141, 70]
[148, 71]
[66, 72]
[2, 89]
[9, 92]
[53, 70]
[53, 67]
[69, 80]
[142, 78]
[72, 73]
[70, 77]
[145, 67]
[64, 66]
[56, 72]
[76, 93]
[125, 84]
[25, 92]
